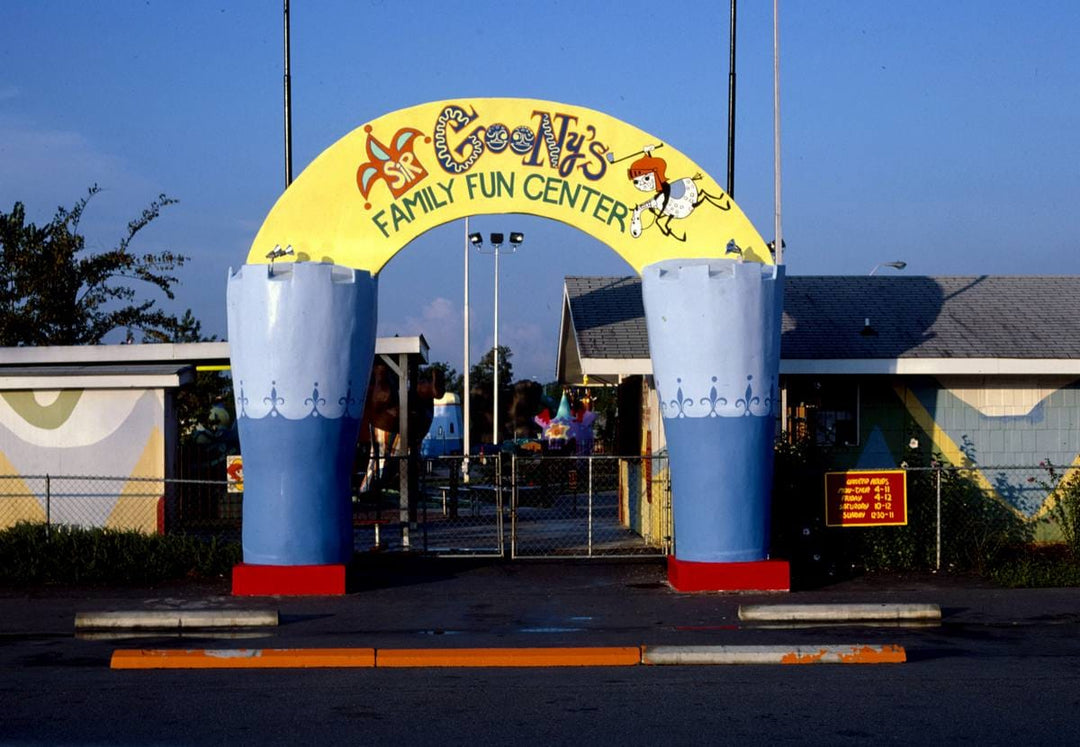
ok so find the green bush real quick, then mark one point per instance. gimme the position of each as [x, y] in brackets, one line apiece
[1065, 505]
[35, 554]
[1035, 566]
[977, 530]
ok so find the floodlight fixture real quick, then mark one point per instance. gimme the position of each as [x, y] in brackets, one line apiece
[897, 265]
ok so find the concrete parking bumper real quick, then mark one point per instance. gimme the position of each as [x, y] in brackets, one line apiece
[834, 613]
[824, 654]
[175, 619]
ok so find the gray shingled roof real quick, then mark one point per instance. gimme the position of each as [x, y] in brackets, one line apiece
[608, 316]
[912, 317]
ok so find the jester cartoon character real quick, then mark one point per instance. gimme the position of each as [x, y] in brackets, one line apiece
[670, 199]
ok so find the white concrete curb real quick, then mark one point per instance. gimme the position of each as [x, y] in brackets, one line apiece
[825, 654]
[179, 619]
[774, 613]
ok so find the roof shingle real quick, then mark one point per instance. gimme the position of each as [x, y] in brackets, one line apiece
[1030, 316]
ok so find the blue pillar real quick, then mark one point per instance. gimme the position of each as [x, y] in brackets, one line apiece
[301, 339]
[714, 335]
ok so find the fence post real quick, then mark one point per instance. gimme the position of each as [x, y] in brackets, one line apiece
[938, 567]
[48, 506]
[513, 507]
[590, 458]
[670, 538]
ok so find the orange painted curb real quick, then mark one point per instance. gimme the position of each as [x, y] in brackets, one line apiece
[240, 658]
[615, 656]
[890, 654]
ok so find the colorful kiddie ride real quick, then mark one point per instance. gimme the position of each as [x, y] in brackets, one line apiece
[570, 432]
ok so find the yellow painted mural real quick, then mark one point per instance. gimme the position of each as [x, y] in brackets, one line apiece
[137, 505]
[18, 502]
[387, 182]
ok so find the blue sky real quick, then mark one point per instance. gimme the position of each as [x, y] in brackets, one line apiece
[940, 133]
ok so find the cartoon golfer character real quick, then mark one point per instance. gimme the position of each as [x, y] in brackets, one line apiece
[671, 199]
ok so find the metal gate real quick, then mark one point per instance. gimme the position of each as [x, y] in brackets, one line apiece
[462, 507]
[542, 506]
[589, 507]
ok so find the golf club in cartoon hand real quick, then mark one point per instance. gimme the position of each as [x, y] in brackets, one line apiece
[670, 199]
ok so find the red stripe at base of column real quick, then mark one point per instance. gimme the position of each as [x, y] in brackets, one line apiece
[757, 575]
[288, 580]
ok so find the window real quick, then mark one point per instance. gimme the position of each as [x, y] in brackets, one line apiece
[825, 410]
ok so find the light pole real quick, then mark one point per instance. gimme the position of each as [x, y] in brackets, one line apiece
[731, 107]
[470, 239]
[778, 228]
[497, 239]
[288, 104]
[897, 265]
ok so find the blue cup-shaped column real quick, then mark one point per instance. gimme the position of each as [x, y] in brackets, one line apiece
[714, 335]
[301, 341]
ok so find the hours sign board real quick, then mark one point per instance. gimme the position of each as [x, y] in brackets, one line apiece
[866, 498]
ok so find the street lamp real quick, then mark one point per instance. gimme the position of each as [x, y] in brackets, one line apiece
[897, 265]
[471, 239]
[497, 240]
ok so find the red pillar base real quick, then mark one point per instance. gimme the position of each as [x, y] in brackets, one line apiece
[287, 580]
[758, 575]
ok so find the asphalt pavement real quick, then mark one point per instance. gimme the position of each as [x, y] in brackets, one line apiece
[418, 603]
[1000, 667]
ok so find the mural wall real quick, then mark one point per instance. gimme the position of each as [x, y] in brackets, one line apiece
[73, 433]
[982, 422]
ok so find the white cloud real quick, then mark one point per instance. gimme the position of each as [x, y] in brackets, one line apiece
[533, 347]
[44, 168]
[439, 321]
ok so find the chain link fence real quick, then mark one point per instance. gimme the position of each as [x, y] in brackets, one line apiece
[958, 518]
[521, 506]
[148, 505]
[451, 506]
[964, 517]
[590, 506]
[463, 505]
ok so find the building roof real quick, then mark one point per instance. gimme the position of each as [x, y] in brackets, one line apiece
[106, 376]
[134, 355]
[969, 324]
[155, 365]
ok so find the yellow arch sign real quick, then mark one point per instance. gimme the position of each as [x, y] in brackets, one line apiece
[387, 182]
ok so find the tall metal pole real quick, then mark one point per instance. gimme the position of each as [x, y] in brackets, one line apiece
[731, 108]
[465, 392]
[495, 372]
[288, 105]
[778, 227]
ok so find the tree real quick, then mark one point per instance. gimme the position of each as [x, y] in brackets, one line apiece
[186, 329]
[481, 396]
[54, 292]
[481, 375]
[454, 381]
[197, 404]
